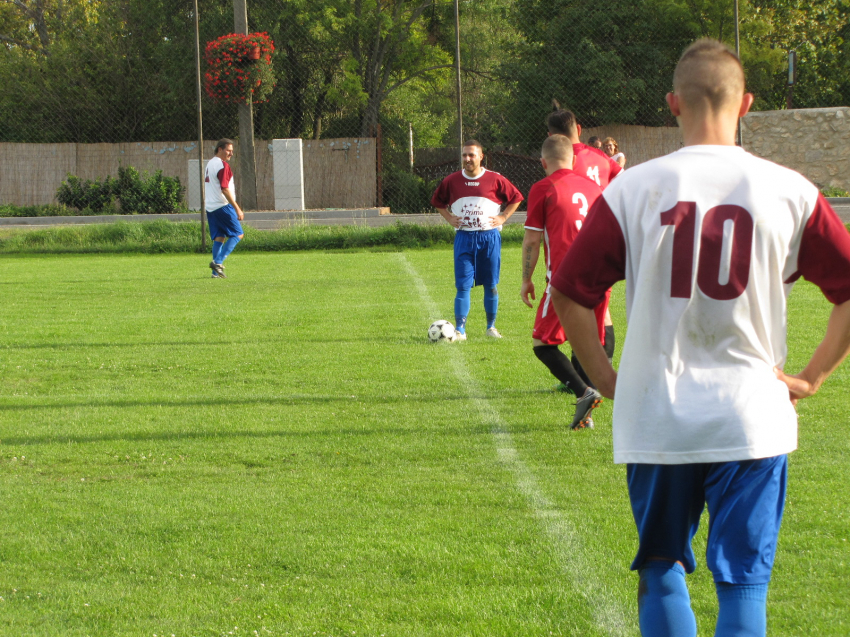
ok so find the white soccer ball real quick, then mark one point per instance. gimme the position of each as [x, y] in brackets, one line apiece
[441, 331]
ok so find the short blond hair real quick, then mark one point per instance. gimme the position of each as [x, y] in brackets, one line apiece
[613, 141]
[557, 148]
[709, 74]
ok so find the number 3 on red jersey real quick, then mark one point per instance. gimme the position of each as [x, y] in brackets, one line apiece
[682, 217]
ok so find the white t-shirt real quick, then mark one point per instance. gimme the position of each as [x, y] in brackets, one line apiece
[710, 240]
[217, 176]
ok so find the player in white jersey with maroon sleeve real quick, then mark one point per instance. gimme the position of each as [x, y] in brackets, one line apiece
[223, 213]
[710, 240]
[471, 201]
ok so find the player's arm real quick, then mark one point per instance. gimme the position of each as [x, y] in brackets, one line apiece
[453, 220]
[229, 196]
[833, 349]
[580, 326]
[530, 254]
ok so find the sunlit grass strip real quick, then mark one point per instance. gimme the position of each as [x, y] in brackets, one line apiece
[174, 237]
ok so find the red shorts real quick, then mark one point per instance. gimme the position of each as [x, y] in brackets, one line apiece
[548, 329]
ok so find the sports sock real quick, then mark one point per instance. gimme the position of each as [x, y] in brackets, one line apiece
[227, 248]
[462, 303]
[580, 371]
[561, 368]
[216, 250]
[491, 305]
[609, 341]
[664, 605]
[743, 610]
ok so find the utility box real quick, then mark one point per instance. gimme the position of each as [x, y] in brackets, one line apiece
[288, 162]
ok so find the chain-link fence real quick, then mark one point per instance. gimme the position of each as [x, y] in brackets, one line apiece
[91, 85]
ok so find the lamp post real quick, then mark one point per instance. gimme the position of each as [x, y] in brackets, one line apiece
[457, 73]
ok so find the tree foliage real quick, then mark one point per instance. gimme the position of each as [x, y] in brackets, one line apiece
[124, 70]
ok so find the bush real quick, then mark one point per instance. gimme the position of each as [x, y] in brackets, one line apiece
[136, 194]
[92, 195]
[834, 192]
[406, 193]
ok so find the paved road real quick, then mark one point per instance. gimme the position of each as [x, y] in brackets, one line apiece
[273, 220]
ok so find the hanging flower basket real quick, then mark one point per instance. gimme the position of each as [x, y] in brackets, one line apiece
[239, 68]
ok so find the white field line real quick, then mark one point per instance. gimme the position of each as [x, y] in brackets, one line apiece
[574, 554]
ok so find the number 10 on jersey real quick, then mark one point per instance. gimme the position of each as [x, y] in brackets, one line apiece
[711, 275]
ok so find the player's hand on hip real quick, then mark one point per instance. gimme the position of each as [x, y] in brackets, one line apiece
[496, 221]
[798, 387]
[526, 290]
[454, 221]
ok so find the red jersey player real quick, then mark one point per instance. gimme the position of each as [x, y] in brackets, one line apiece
[591, 162]
[557, 206]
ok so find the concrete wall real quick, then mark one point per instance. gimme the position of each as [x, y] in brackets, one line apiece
[813, 141]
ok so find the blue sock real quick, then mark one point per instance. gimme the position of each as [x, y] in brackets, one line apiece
[462, 303]
[216, 250]
[227, 248]
[743, 610]
[491, 305]
[664, 605]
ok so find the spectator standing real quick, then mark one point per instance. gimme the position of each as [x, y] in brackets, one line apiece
[612, 149]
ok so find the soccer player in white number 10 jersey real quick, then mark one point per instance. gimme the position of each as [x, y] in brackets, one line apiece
[710, 240]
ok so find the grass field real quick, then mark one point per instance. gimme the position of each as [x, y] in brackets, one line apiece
[283, 453]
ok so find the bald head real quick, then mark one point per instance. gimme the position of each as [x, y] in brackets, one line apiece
[557, 153]
[709, 76]
[558, 148]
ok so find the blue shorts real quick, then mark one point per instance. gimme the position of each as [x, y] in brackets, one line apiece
[745, 504]
[224, 222]
[478, 258]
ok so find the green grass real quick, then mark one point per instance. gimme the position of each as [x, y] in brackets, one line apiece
[283, 453]
[164, 236]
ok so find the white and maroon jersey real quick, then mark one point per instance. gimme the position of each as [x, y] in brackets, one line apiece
[557, 206]
[710, 240]
[475, 200]
[594, 164]
[217, 176]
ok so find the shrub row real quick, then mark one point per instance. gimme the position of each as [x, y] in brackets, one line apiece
[130, 193]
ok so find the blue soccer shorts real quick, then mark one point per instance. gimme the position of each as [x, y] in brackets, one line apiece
[223, 222]
[745, 502]
[478, 258]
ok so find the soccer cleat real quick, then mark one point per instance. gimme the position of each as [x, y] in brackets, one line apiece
[584, 405]
[459, 336]
[492, 332]
[588, 424]
[217, 270]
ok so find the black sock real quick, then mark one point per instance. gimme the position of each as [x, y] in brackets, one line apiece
[609, 341]
[580, 371]
[561, 368]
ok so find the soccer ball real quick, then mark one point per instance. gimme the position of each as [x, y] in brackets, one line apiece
[441, 331]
